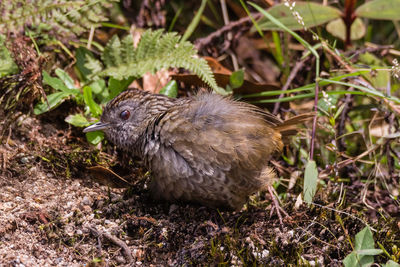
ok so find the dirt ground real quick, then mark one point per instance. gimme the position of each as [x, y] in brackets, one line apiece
[55, 212]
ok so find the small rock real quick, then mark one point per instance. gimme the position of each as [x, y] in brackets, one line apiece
[100, 204]
[24, 160]
[290, 233]
[86, 201]
[86, 209]
[265, 253]
[69, 230]
[120, 260]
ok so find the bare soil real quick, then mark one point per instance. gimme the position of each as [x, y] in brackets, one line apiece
[55, 212]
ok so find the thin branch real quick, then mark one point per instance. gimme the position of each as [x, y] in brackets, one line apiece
[125, 249]
[200, 43]
[292, 75]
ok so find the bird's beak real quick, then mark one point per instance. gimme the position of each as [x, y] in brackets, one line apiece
[96, 127]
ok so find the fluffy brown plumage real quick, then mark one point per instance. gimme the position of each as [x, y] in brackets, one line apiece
[207, 149]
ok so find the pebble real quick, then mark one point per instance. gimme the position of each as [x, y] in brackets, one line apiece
[24, 160]
[86, 209]
[86, 201]
[100, 204]
[120, 260]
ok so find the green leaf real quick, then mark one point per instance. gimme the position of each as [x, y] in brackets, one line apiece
[95, 137]
[326, 103]
[65, 78]
[113, 54]
[236, 79]
[58, 84]
[94, 66]
[7, 64]
[351, 260]
[364, 249]
[83, 55]
[338, 29]
[54, 100]
[380, 77]
[155, 51]
[55, 83]
[355, 260]
[364, 239]
[313, 14]
[391, 263]
[95, 109]
[380, 9]
[100, 91]
[77, 120]
[310, 181]
[98, 86]
[170, 89]
[117, 86]
[370, 252]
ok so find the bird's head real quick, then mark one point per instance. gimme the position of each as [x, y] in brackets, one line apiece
[124, 118]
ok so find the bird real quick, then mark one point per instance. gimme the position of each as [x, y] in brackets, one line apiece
[207, 148]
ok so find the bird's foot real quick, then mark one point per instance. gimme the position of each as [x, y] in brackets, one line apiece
[276, 206]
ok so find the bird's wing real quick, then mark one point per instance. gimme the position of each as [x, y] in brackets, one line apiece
[214, 141]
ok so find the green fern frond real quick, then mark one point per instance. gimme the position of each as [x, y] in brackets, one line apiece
[155, 51]
[64, 15]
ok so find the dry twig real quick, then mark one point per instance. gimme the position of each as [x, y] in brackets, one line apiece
[125, 249]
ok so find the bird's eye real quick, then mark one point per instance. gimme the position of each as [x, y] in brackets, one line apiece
[124, 115]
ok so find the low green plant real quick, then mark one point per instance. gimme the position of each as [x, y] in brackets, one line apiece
[7, 64]
[364, 251]
[345, 24]
[156, 50]
[236, 80]
[65, 16]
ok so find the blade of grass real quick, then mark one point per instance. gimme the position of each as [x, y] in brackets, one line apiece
[193, 24]
[317, 63]
[213, 9]
[115, 26]
[366, 90]
[283, 99]
[283, 27]
[278, 48]
[256, 25]
[308, 87]
[301, 96]
[177, 14]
